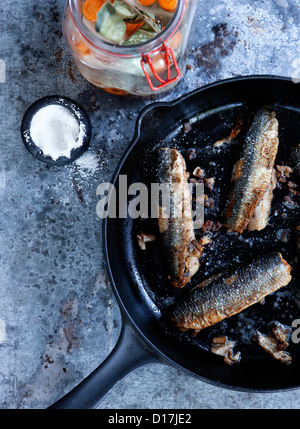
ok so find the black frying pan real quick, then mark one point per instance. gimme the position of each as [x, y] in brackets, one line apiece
[139, 278]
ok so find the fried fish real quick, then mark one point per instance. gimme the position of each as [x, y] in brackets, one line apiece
[175, 221]
[253, 175]
[231, 292]
[261, 213]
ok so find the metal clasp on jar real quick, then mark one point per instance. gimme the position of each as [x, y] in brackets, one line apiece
[168, 57]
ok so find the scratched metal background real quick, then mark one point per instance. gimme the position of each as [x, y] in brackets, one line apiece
[58, 316]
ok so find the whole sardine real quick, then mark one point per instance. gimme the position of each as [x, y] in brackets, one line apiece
[230, 292]
[175, 219]
[261, 213]
[252, 173]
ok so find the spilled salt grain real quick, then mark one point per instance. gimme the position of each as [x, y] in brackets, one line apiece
[87, 164]
[56, 131]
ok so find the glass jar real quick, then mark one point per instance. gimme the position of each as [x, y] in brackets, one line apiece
[145, 69]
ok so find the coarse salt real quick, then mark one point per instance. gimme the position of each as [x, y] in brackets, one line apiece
[56, 131]
[87, 164]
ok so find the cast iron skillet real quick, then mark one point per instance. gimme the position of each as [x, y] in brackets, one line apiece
[139, 278]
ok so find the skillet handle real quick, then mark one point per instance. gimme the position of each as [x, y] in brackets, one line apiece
[129, 354]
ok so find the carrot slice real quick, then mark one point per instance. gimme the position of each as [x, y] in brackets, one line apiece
[91, 8]
[82, 47]
[147, 2]
[115, 91]
[132, 28]
[175, 41]
[168, 5]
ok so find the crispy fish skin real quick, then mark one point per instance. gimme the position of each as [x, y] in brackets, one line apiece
[270, 345]
[252, 173]
[176, 226]
[231, 292]
[261, 213]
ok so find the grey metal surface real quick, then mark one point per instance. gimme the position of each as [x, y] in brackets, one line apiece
[58, 316]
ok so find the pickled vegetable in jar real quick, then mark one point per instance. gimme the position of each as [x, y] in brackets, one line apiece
[130, 46]
[128, 22]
